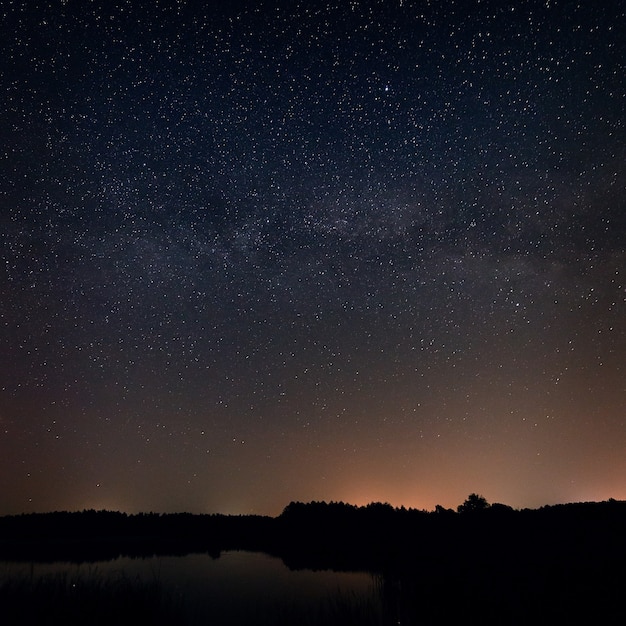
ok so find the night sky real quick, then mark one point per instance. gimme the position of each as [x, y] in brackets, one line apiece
[255, 252]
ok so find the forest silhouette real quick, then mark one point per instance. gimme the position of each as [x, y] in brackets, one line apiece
[336, 535]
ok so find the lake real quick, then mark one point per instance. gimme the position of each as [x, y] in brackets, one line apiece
[253, 589]
[235, 589]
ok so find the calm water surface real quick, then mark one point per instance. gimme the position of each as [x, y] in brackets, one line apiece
[233, 588]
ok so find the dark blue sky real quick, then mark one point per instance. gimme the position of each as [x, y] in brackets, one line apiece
[258, 252]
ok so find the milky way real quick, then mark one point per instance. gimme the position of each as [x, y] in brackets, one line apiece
[273, 251]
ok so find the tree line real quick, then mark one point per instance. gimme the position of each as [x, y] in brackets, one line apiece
[336, 534]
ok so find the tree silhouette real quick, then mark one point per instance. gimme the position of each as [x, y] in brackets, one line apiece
[473, 503]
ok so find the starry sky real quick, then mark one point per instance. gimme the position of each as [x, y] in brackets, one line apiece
[255, 252]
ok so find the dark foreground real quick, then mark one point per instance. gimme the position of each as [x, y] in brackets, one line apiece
[486, 564]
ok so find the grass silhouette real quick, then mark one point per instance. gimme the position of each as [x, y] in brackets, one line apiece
[95, 599]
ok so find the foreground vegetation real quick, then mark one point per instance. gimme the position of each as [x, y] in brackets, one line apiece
[86, 599]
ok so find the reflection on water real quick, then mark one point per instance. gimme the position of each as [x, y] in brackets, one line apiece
[237, 588]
